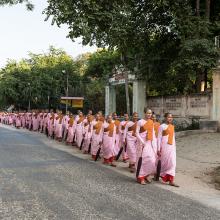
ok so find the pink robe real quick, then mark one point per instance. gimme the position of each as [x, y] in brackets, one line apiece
[148, 154]
[50, 127]
[71, 132]
[121, 135]
[96, 139]
[23, 120]
[35, 123]
[117, 144]
[168, 153]
[59, 128]
[131, 142]
[10, 120]
[87, 132]
[45, 122]
[108, 143]
[65, 125]
[18, 121]
[79, 134]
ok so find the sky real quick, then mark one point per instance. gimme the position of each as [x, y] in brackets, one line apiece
[23, 31]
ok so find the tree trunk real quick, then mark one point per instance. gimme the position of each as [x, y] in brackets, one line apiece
[123, 58]
[127, 93]
[199, 79]
[207, 9]
[197, 7]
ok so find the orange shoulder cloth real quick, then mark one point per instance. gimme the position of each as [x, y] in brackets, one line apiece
[123, 126]
[170, 132]
[97, 127]
[71, 121]
[148, 126]
[156, 128]
[133, 129]
[117, 124]
[60, 119]
[110, 129]
[80, 120]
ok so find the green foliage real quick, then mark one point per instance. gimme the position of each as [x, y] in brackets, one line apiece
[37, 78]
[29, 5]
[101, 63]
[159, 40]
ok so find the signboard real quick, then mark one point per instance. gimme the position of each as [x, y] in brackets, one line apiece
[118, 77]
[75, 102]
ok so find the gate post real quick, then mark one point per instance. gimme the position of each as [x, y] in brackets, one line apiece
[139, 97]
[216, 95]
[110, 99]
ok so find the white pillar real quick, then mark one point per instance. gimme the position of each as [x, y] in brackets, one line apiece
[110, 100]
[216, 95]
[139, 97]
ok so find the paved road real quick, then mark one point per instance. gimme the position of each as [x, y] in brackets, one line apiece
[40, 182]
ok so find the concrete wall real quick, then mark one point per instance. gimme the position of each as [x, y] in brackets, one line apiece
[197, 105]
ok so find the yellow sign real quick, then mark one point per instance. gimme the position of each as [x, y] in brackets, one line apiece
[75, 102]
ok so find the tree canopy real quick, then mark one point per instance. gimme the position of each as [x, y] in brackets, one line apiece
[154, 37]
[29, 5]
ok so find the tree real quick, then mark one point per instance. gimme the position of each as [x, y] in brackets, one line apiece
[37, 78]
[29, 5]
[138, 29]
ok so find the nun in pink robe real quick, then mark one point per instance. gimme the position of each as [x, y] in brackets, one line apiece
[18, 121]
[97, 134]
[23, 120]
[87, 133]
[79, 130]
[145, 148]
[130, 140]
[71, 127]
[59, 127]
[51, 125]
[35, 121]
[121, 136]
[65, 124]
[10, 120]
[109, 134]
[167, 150]
[41, 121]
[45, 122]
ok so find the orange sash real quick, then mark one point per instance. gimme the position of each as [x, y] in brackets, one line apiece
[97, 127]
[148, 126]
[117, 124]
[80, 120]
[102, 119]
[71, 121]
[123, 126]
[133, 129]
[60, 119]
[90, 118]
[170, 132]
[110, 129]
[52, 118]
[156, 128]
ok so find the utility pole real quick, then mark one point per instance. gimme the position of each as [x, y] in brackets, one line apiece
[67, 87]
[29, 101]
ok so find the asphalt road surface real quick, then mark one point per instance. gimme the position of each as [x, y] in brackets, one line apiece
[40, 182]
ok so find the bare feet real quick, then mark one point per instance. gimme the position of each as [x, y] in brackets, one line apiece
[173, 184]
[113, 165]
[143, 182]
[147, 180]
